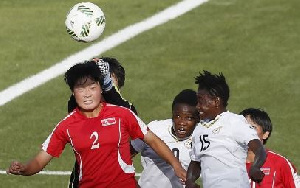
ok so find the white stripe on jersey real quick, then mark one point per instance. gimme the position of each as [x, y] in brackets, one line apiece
[125, 167]
[80, 166]
[293, 172]
[47, 141]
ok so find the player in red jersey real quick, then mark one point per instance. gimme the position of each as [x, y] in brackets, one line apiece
[99, 134]
[279, 171]
[114, 79]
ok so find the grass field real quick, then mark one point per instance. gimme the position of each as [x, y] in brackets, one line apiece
[254, 43]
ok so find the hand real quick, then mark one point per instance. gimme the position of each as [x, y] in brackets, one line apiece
[104, 66]
[256, 174]
[181, 174]
[104, 69]
[15, 168]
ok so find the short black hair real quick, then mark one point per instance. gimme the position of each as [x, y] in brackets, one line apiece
[87, 69]
[215, 84]
[116, 68]
[186, 96]
[259, 117]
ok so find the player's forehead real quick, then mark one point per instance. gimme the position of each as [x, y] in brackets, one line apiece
[203, 93]
[184, 108]
[85, 81]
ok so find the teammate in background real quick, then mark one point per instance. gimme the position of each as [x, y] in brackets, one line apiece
[220, 142]
[279, 172]
[176, 133]
[99, 134]
[114, 79]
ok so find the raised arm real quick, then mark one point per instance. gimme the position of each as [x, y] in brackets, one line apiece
[193, 173]
[260, 157]
[34, 166]
[165, 153]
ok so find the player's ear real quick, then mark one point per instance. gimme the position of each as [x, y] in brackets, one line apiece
[266, 135]
[218, 102]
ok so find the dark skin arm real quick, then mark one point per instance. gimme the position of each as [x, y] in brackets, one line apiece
[260, 157]
[193, 173]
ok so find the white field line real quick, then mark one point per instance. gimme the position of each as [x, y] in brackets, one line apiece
[58, 173]
[94, 50]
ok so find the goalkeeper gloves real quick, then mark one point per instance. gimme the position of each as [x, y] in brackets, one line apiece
[104, 69]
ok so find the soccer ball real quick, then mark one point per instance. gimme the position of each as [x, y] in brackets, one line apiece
[85, 22]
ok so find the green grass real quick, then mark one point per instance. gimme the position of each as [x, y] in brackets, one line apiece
[255, 44]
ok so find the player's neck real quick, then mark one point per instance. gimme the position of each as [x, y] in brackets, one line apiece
[93, 113]
[217, 113]
[221, 110]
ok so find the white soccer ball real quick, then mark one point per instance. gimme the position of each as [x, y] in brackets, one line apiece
[85, 22]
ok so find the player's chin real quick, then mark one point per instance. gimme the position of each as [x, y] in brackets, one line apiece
[89, 107]
[181, 135]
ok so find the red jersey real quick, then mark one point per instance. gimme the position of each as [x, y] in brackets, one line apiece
[279, 172]
[101, 145]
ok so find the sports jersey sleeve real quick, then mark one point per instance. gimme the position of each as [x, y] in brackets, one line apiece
[297, 180]
[287, 173]
[243, 131]
[56, 141]
[136, 127]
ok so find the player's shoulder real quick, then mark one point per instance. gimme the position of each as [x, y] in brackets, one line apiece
[234, 119]
[117, 109]
[160, 123]
[281, 162]
[277, 158]
[157, 126]
[113, 106]
[68, 121]
[71, 117]
[232, 116]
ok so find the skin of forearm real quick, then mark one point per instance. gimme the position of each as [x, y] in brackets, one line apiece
[260, 157]
[36, 164]
[193, 172]
[32, 167]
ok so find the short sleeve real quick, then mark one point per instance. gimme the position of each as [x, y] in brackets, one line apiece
[243, 131]
[288, 173]
[136, 127]
[55, 143]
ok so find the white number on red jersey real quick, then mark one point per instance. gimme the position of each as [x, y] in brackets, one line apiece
[95, 144]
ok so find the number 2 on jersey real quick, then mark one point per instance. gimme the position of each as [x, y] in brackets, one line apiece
[95, 144]
[204, 142]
